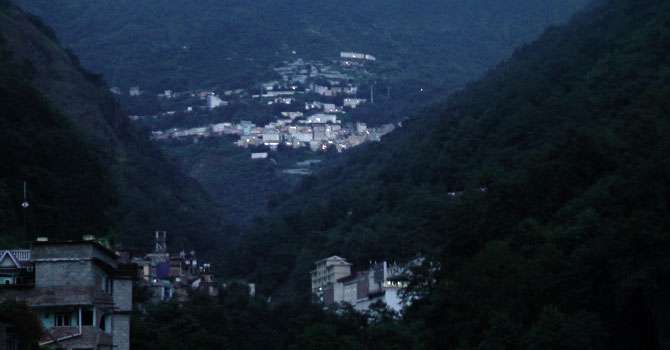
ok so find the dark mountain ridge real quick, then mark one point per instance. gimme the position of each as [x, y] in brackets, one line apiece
[540, 190]
[148, 193]
[195, 44]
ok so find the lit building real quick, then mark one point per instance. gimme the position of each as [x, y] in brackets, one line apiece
[383, 282]
[214, 101]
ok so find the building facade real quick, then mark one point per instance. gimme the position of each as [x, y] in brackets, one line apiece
[78, 293]
[382, 282]
[329, 270]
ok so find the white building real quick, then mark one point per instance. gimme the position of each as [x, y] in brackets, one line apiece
[322, 118]
[292, 115]
[329, 270]
[361, 128]
[352, 55]
[222, 127]
[353, 102]
[330, 108]
[214, 101]
[271, 136]
[382, 282]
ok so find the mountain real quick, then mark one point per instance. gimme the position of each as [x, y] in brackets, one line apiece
[88, 170]
[425, 50]
[166, 44]
[538, 195]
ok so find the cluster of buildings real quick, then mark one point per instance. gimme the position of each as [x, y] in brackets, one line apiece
[314, 124]
[299, 72]
[318, 132]
[333, 282]
[172, 276]
[82, 291]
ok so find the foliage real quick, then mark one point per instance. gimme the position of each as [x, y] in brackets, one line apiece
[87, 168]
[236, 320]
[540, 191]
[241, 187]
[68, 188]
[228, 43]
[28, 327]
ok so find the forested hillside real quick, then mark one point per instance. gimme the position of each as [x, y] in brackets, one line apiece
[87, 169]
[167, 44]
[540, 191]
[70, 192]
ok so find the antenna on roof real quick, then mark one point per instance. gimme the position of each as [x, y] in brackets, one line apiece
[372, 94]
[25, 206]
[161, 244]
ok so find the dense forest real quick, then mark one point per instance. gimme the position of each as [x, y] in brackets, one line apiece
[88, 171]
[538, 196]
[556, 235]
[166, 44]
[425, 51]
[69, 190]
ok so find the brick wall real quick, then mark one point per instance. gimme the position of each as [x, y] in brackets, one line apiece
[121, 334]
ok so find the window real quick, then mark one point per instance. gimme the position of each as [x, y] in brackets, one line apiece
[87, 317]
[104, 323]
[10, 342]
[108, 285]
[62, 319]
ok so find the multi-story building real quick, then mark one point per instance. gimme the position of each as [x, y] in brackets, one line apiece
[329, 270]
[77, 291]
[383, 282]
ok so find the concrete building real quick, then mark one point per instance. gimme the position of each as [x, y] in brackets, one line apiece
[361, 128]
[292, 115]
[271, 135]
[355, 55]
[353, 102]
[320, 132]
[214, 101]
[259, 155]
[322, 118]
[383, 282]
[329, 270]
[79, 292]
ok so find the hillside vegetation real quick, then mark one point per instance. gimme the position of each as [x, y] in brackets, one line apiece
[88, 171]
[167, 44]
[556, 229]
